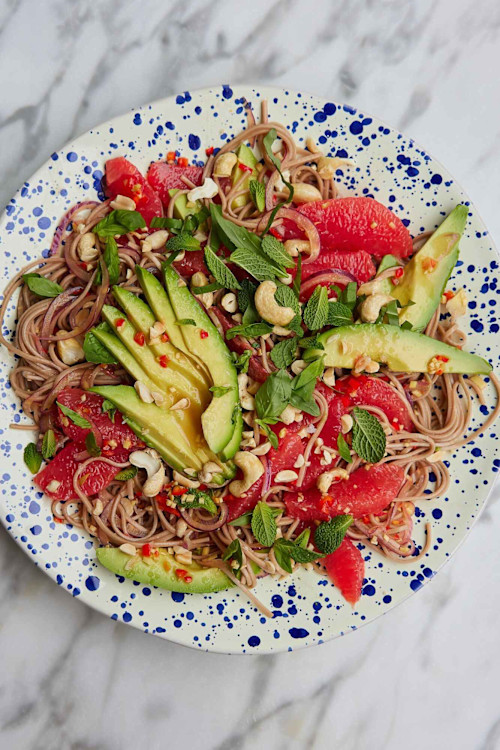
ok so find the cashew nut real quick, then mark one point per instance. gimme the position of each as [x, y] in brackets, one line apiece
[199, 279]
[184, 481]
[287, 475]
[207, 472]
[123, 202]
[247, 401]
[209, 189]
[371, 287]
[326, 479]
[229, 302]
[457, 305]
[304, 193]
[155, 241]
[268, 308]
[149, 460]
[346, 423]
[87, 247]
[295, 247]
[143, 392]
[370, 309]
[329, 377]
[289, 414]
[224, 164]
[252, 469]
[70, 351]
[328, 165]
[297, 366]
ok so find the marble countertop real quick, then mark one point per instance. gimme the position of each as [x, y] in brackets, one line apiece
[426, 674]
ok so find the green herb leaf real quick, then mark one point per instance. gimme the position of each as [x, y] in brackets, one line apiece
[285, 297]
[197, 499]
[303, 538]
[257, 194]
[164, 222]
[368, 436]
[111, 260]
[246, 518]
[270, 434]
[205, 289]
[119, 222]
[349, 295]
[220, 271]
[91, 445]
[295, 326]
[343, 449]
[95, 351]
[283, 353]
[256, 265]
[171, 259]
[282, 554]
[273, 395]
[242, 361]
[182, 241]
[275, 251]
[406, 326]
[311, 342]
[338, 314]
[316, 312]
[49, 444]
[246, 294]
[232, 235]
[329, 535]
[298, 278]
[185, 322]
[303, 555]
[268, 147]
[234, 552]
[220, 390]
[128, 473]
[250, 331]
[32, 458]
[75, 417]
[392, 314]
[303, 386]
[41, 286]
[109, 408]
[263, 524]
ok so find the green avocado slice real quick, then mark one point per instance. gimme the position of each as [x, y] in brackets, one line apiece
[234, 444]
[142, 318]
[161, 572]
[427, 273]
[205, 342]
[247, 158]
[402, 350]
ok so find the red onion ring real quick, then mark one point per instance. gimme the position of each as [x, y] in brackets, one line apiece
[211, 524]
[308, 227]
[66, 221]
[324, 277]
[55, 307]
[267, 474]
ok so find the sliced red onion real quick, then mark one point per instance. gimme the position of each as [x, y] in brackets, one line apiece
[205, 524]
[308, 227]
[323, 278]
[267, 474]
[55, 307]
[66, 221]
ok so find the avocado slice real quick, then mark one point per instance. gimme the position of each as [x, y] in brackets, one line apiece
[402, 350]
[161, 572]
[157, 426]
[162, 309]
[181, 208]
[247, 158]
[142, 318]
[234, 444]
[205, 342]
[423, 282]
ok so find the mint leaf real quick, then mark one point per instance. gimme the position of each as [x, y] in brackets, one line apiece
[298, 278]
[368, 436]
[246, 518]
[285, 297]
[270, 434]
[283, 353]
[250, 331]
[282, 555]
[182, 241]
[95, 351]
[295, 326]
[311, 342]
[349, 295]
[128, 473]
[242, 361]
[41, 286]
[275, 251]
[303, 386]
[220, 271]
[257, 194]
[109, 408]
[220, 390]
[257, 266]
[338, 314]
[232, 235]
[343, 449]
[303, 538]
[316, 312]
[164, 222]
[234, 552]
[111, 261]
[75, 417]
[329, 535]
[32, 458]
[49, 444]
[91, 445]
[273, 395]
[119, 222]
[246, 294]
[285, 551]
[263, 524]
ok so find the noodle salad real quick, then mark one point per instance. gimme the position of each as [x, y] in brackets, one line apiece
[234, 372]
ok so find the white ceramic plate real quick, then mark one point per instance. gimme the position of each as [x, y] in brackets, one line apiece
[389, 167]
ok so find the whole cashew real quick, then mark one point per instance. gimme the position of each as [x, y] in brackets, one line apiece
[370, 308]
[326, 479]
[252, 469]
[268, 308]
[150, 461]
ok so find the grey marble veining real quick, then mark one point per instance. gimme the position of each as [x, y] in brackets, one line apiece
[426, 674]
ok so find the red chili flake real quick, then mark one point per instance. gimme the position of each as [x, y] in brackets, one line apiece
[203, 334]
[181, 573]
[449, 295]
[59, 520]
[182, 161]
[442, 358]
[146, 550]
[275, 233]
[163, 360]
[209, 151]
[171, 156]
[244, 167]
[398, 273]
[188, 579]
[165, 337]
[179, 491]
[139, 338]
[120, 322]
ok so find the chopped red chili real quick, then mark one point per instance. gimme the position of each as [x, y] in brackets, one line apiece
[442, 358]
[163, 360]
[146, 550]
[398, 273]
[119, 322]
[179, 491]
[209, 151]
[182, 161]
[203, 334]
[139, 338]
[244, 167]
[165, 337]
